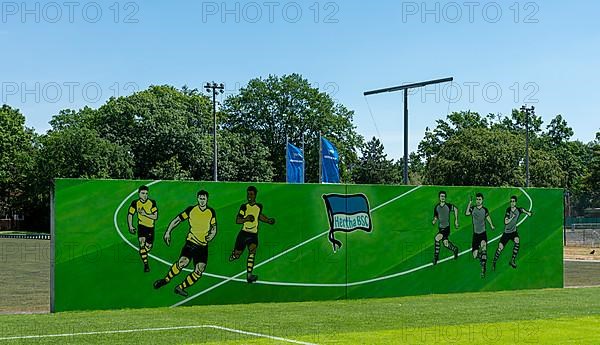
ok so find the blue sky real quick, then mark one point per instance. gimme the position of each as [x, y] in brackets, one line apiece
[502, 55]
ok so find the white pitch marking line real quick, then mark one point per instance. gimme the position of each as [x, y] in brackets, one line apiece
[232, 330]
[591, 261]
[235, 278]
[362, 282]
[151, 255]
[278, 255]
[582, 287]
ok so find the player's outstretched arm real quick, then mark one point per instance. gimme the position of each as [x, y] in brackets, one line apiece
[167, 237]
[489, 219]
[211, 233]
[130, 223]
[264, 218]
[455, 216]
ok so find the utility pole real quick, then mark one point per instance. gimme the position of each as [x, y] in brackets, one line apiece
[405, 88]
[320, 159]
[303, 160]
[528, 111]
[214, 88]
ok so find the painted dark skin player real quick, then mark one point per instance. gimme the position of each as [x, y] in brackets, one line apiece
[249, 216]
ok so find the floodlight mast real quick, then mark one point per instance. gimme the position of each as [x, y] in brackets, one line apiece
[214, 88]
[405, 88]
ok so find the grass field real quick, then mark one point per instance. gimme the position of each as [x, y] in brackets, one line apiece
[105, 266]
[452, 319]
[25, 277]
[553, 316]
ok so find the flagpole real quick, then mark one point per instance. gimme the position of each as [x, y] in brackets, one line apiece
[286, 159]
[320, 159]
[303, 160]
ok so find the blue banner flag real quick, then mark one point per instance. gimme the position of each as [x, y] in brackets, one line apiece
[330, 171]
[294, 164]
[347, 212]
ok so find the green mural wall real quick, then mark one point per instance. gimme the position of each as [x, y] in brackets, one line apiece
[98, 264]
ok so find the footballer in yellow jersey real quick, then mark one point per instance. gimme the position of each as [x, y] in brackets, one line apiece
[248, 216]
[203, 228]
[147, 213]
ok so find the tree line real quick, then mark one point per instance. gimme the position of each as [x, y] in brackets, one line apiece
[166, 133]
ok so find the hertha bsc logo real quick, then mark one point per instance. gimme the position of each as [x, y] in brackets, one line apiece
[347, 212]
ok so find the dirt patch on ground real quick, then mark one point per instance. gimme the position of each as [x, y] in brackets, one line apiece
[582, 253]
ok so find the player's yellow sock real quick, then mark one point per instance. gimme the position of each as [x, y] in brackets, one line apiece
[172, 272]
[190, 280]
[144, 254]
[250, 263]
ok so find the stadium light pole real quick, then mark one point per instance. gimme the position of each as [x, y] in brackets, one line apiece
[405, 88]
[528, 111]
[214, 88]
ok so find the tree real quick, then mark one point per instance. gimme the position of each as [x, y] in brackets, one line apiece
[278, 107]
[416, 168]
[593, 180]
[16, 159]
[169, 133]
[558, 131]
[243, 158]
[479, 157]
[517, 121]
[79, 152]
[157, 125]
[545, 169]
[446, 129]
[573, 156]
[374, 167]
[68, 118]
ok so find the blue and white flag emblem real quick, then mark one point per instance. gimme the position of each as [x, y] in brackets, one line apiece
[347, 212]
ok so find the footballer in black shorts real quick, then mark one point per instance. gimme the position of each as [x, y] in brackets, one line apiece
[202, 229]
[441, 216]
[479, 214]
[249, 216]
[511, 219]
[147, 213]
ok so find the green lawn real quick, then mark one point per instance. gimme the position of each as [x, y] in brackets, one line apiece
[96, 267]
[582, 273]
[25, 275]
[552, 316]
